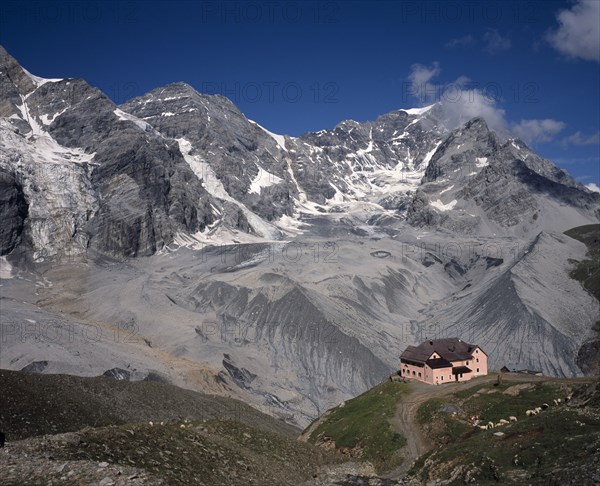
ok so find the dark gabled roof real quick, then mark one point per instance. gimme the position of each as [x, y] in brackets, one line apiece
[451, 349]
[416, 353]
[461, 369]
[436, 363]
[514, 367]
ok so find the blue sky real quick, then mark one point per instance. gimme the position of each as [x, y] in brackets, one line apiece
[531, 67]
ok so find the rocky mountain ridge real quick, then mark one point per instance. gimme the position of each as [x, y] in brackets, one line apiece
[175, 161]
[295, 269]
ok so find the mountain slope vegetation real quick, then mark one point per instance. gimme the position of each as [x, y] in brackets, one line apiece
[73, 430]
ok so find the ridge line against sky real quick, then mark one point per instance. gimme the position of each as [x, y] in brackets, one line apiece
[532, 67]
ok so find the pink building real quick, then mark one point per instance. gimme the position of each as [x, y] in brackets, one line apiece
[439, 361]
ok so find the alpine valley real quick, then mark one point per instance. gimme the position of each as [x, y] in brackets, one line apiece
[172, 239]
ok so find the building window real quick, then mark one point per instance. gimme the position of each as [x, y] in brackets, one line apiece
[449, 377]
[477, 370]
[477, 360]
[419, 374]
[442, 377]
[467, 363]
[414, 372]
[477, 351]
[461, 375]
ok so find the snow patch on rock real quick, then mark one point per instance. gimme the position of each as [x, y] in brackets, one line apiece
[280, 139]
[418, 111]
[5, 268]
[438, 204]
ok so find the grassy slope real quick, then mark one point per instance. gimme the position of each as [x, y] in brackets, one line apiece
[554, 445]
[36, 404]
[211, 453]
[225, 442]
[363, 423]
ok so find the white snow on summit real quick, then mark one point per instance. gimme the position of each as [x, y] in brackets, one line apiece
[39, 81]
[418, 111]
[280, 139]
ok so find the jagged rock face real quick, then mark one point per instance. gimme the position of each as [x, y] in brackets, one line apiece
[355, 159]
[273, 175]
[13, 212]
[56, 185]
[238, 151]
[13, 82]
[588, 358]
[132, 190]
[175, 162]
[367, 212]
[148, 192]
[477, 185]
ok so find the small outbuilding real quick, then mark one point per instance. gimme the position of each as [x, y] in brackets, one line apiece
[518, 368]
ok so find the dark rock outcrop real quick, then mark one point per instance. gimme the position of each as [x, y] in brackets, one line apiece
[13, 211]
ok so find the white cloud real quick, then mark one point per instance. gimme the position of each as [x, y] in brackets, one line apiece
[532, 131]
[593, 187]
[462, 103]
[578, 34]
[460, 41]
[494, 42]
[579, 138]
[419, 78]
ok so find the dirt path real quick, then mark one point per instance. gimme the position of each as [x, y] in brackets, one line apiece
[405, 420]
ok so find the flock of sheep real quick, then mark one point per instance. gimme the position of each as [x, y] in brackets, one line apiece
[185, 423]
[528, 413]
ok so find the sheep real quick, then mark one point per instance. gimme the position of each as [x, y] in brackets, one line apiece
[512, 418]
[529, 413]
[568, 397]
[558, 400]
[503, 422]
[151, 424]
[490, 425]
[545, 406]
[182, 426]
[483, 427]
[538, 409]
